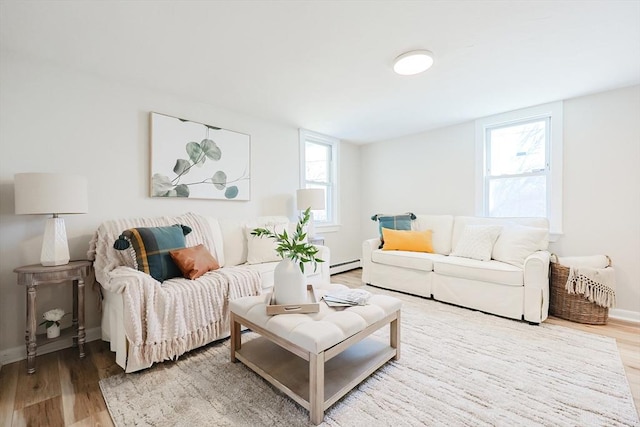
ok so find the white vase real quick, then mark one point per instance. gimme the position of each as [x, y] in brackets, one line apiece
[289, 285]
[53, 331]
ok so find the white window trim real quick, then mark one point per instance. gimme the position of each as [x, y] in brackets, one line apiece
[307, 135]
[554, 110]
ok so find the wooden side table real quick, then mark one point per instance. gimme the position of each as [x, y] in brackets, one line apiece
[32, 276]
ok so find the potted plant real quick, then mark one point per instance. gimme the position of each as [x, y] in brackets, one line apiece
[289, 279]
[52, 321]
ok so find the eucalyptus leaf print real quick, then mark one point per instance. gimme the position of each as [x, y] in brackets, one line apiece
[219, 180]
[216, 167]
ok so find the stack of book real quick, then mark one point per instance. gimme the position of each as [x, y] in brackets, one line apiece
[347, 298]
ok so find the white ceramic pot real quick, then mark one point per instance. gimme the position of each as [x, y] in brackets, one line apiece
[53, 331]
[289, 285]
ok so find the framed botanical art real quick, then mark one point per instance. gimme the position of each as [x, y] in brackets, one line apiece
[198, 161]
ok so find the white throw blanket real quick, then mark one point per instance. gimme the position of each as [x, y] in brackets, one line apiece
[164, 320]
[592, 277]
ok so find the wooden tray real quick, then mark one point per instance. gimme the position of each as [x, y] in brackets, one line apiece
[312, 306]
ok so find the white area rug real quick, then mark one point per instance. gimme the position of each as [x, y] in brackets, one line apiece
[457, 368]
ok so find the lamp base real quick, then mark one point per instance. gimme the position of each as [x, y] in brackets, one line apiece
[55, 250]
[311, 229]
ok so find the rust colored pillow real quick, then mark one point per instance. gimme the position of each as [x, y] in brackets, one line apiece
[193, 262]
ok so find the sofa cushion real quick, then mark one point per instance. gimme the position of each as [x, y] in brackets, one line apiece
[517, 242]
[485, 271]
[441, 226]
[407, 240]
[195, 261]
[477, 242]
[265, 270]
[234, 241]
[415, 260]
[263, 249]
[218, 240]
[460, 222]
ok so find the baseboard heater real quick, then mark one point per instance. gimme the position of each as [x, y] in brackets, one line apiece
[344, 266]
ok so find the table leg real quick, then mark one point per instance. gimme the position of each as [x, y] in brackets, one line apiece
[236, 339]
[394, 333]
[316, 387]
[78, 307]
[30, 335]
[74, 319]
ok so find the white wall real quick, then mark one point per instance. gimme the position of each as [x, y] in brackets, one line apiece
[346, 245]
[602, 185]
[56, 120]
[430, 172]
[433, 172]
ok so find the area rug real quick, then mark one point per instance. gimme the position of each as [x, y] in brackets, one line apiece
[458, 367]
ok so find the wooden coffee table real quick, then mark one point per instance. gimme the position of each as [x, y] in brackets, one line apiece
[316, 358]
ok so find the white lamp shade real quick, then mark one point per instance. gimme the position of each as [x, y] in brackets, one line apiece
[310, 198]
[50, 193]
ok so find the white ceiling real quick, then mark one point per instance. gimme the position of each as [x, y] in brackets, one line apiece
[327, 65]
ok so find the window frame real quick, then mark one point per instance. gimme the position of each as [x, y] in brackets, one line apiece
[305, 135]
[553, 112]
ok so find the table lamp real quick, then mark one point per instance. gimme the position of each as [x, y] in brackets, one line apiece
[51, 194]
[310, 198]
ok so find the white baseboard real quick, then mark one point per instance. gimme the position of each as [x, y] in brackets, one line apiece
[15, 354]
[626, 315]
[345, 266]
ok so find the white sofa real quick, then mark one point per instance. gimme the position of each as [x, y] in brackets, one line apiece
[517, 290]
[136, 308]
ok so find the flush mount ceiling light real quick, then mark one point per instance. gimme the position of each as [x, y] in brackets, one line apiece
[413, 62]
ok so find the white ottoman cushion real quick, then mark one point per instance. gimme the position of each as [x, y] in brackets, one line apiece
[317, 332]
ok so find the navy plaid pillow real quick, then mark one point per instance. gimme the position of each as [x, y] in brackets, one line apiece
[152, 245]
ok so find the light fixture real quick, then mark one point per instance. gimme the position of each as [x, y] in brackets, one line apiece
[413, 62]
[54, 194]
[310, 198]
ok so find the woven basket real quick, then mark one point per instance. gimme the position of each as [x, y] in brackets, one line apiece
[572, 307]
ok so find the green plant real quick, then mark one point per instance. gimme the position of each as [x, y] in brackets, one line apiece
[293, 246]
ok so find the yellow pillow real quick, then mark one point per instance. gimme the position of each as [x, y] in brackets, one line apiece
[407, 240]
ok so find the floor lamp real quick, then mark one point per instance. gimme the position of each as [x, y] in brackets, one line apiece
[310, 198]
[51, 194]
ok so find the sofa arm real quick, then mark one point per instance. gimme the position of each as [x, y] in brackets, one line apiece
[368, 246]
[325, 255]
[536, 287]
[121, 277]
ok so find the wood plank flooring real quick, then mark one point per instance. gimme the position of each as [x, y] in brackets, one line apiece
[64, 391]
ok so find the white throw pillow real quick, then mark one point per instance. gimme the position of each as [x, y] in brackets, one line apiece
[477, 241]
[517, 242]
[263, 249]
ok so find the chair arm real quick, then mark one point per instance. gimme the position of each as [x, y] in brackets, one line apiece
[324, 253]
[536, 287]
[368, 246]
[122, 276]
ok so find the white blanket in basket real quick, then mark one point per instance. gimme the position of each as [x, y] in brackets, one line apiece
[592, 277]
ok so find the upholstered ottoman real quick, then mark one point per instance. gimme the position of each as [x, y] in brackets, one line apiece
[316, 358]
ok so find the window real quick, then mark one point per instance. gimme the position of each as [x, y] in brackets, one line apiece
[519, 162]
[319, 169]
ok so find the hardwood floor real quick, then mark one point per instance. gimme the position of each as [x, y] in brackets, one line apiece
[64, 390]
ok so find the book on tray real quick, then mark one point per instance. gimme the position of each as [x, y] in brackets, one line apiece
[346, 297]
